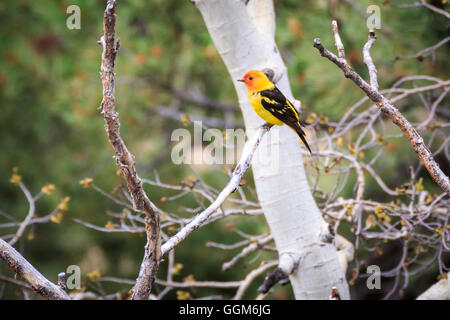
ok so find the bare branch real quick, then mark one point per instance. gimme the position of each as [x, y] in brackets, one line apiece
[255, 245]
[392, 112]
[22, 267]
[369, 62]
[31, 211]
[251, 277]
[62, 280]
[337, 40]
[19, 283]
[233, 184]
[111, 230]
[200, 284]
[125, 160]
[423, 3]
[435, 9]
[425, 52]
[272, 279]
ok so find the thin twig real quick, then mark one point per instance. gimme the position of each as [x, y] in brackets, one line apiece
[369, 62]
[435, 9]
[251, 276]
[337, 40]
[27, 220]
[255, 245]
[425, 52]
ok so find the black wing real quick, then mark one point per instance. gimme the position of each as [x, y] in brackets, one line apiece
[281, 108]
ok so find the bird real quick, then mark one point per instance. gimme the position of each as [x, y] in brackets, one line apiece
[270, 103]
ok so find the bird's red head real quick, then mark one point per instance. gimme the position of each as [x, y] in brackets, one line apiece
[256, 80]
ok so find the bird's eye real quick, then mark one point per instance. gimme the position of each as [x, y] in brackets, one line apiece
[250, 78]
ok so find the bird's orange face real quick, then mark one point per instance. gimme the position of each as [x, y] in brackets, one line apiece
[255, 80]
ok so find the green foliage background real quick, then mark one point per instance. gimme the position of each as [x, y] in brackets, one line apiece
[51, 128]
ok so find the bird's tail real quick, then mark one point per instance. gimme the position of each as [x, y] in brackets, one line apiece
[302, 134]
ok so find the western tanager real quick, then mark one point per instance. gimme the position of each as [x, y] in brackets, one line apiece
[270, 104]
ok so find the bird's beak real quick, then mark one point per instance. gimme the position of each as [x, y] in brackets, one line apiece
[241, 80]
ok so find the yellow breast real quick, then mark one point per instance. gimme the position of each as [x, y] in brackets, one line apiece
[255, 101]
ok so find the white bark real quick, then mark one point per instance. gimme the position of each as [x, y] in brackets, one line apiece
[346, 251]
[244, 37]
[438, 291]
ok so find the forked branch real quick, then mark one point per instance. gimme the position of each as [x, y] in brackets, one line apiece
[386, 106]
[125, 160]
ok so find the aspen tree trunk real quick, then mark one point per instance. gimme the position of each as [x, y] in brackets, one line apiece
[438, 291]
[244, 36]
